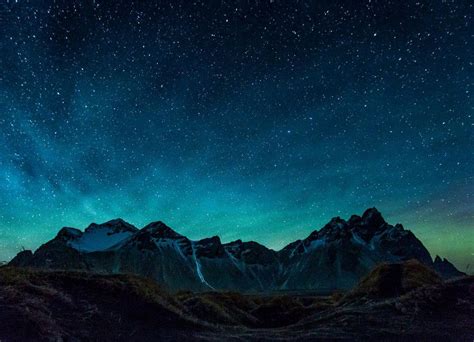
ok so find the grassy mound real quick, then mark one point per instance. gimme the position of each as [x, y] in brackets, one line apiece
[392, 280]
[60, 305]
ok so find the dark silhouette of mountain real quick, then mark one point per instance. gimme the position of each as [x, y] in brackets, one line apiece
[334, 257]
[444, 267]
[398, 301]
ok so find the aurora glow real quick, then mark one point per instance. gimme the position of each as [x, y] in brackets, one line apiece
[253, 120]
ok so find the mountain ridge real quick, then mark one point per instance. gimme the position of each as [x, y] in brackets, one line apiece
[333, 257]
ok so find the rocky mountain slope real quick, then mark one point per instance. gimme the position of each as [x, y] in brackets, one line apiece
[334, 257]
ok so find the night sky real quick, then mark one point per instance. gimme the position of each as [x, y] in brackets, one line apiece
[246, 119]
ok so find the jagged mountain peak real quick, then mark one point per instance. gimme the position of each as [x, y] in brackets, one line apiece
[153, 235]
[209, 247]
[156, 226]
[251, 252]
[116, 225]
[22, 259]
[237, 242]
[68, 233]
[373, 218]
[117, 220]
[159, 229]
[369, 224]
[354, 220]
[335, 228]
[366, 225]
[209, 241]
[446, 268]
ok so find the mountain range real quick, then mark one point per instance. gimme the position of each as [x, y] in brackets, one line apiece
[335, 257]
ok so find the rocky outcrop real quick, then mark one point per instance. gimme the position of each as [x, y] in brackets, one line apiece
[446, 269]
[22, 259]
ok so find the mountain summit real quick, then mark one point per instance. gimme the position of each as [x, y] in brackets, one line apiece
[335, 257]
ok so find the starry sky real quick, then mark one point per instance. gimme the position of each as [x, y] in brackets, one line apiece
[247, 119]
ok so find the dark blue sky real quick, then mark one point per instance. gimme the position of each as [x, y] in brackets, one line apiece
[246, 119]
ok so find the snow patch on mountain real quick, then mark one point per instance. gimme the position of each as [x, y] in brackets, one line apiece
[357, 239]
[198, 267]
[170, 243]
[235, 261]
[98, 240]
[315, 244]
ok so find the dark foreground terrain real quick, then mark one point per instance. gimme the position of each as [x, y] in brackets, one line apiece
[395, 301]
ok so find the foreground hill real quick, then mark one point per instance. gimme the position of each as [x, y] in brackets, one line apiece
[39, 305]
[334, 257]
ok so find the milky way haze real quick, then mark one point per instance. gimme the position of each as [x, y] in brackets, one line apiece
[243, 119]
